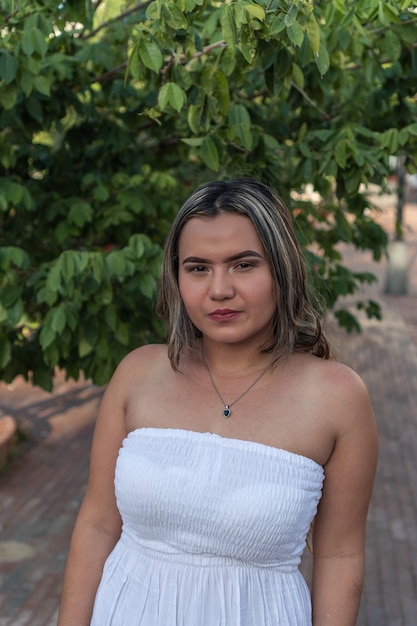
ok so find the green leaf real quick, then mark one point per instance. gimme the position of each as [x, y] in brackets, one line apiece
[282, 65]
[297, 75]
[228, 61]
[352, 181]
[33, 40]
[8, 96]
[255, 11]
[153, 11]
[292, 15]
[47, 334]
[173, 16]
[42, 84]
[347, 320]
[80, 213]
[295, 34]
[390, 140]
[147, 286]
[229, 31]
[240, 125]
[194, 117]
[194, 142]
[97, 266]
[137, 245]
[390, 12]
[313, 33]
[247, 46]
[305, 150]
[51, 356]
[122, 333]
[68, 265]
[84, 347]
[13, 255]
[341, 153]
[116, 263]
[15, 313]
[46, 295]
[134, 63]
[322, 60]
[26, 85]
[43, 377]
[270, 142]
[34, 65]
[57, 319]
[172, 95]
[8, 67]
[216, 84]
[100, 193]
[403, 136]
[5, 351]
[3, 313]
[340, 5]
[183, 77]
[13, 192]
[210, 154]
[150, 54]
[53, 281]
[412, 128]
[9, 295]
[278, 24]
[111, 317]
[391, 45]
[343, 227]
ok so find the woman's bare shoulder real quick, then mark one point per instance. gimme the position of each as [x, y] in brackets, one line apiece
[139, 364]
[145, 356]
[345, 395]
[332, 376]
[334, 386]
[341, 380]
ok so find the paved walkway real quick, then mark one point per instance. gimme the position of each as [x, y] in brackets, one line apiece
[42, 488]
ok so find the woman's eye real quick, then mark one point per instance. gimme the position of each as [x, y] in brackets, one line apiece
[198, 268]
[243, 265]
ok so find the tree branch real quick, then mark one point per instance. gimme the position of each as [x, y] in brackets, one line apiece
[310, 101]
[135, 9]
[169, 60]
[6, 18]
[182, 58]
[381, 29]
[109, 74]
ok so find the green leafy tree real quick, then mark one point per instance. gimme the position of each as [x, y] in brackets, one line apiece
[111, 112]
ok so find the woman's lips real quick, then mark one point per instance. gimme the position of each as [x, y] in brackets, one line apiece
[223, 315]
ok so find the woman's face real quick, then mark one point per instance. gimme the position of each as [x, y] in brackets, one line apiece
[225, 280]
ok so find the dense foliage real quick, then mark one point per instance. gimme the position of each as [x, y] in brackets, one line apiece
[111, 112]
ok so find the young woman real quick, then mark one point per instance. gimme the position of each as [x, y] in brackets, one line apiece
[213, 454]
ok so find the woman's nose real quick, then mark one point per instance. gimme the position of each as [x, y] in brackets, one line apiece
[221, 286]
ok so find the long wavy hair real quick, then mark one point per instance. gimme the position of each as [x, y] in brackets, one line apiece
[297, 323]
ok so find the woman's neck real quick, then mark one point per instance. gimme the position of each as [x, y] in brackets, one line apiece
[234, 360]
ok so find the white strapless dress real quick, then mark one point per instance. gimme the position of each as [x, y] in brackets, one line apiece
[213, 532]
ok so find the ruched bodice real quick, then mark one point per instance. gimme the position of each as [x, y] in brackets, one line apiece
[213, 532]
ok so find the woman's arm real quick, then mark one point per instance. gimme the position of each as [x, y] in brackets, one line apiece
[98, 524]
[339, 529]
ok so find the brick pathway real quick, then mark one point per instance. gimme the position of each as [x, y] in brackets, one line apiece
[40, 495]
[42, 489]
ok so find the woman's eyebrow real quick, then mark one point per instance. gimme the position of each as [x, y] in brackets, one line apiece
[194, 259]
[235, 257]
[243, 255]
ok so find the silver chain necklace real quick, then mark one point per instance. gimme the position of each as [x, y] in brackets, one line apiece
[227, 411]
